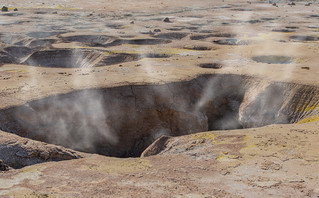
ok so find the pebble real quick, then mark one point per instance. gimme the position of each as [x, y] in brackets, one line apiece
[4, 9]
[166, 20]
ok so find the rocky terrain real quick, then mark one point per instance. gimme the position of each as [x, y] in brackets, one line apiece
[159, 98]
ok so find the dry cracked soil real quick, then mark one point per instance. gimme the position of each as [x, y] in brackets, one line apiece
[145, 98]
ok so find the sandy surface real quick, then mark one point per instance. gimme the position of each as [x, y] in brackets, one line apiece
[272, 161]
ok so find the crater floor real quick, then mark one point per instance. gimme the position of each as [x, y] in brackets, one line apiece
[159, 99]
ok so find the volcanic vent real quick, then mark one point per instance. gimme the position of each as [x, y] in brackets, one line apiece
[123, 121]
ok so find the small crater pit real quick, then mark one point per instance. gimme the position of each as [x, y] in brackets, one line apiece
[77, 58]
[200, 37]
[43, 34]
[211, 65]
[199, 48]
[156, 55]
[231, 41]
[204, 36]
[146, 41]
[304, 38]
[288, 30]
[42, 42]
[271, 59]
[171, 35]
[90, 39]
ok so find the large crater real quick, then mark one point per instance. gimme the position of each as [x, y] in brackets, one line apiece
[123, 121]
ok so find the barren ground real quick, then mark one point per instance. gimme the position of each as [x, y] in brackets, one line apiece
[106, 99]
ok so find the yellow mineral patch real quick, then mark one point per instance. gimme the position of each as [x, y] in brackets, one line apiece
[300, 60]
[114, 165]
[223, 157]
[309, 119]
[204, 136]
[80, 47]
[308, 108]
[56, 7]
[19, 192]
[29, 173]
[17, 71]
[249, 144]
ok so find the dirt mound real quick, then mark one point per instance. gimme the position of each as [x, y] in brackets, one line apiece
[18, 152]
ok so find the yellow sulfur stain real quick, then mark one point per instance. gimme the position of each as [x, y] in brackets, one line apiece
[300, 60]
[107, 53]
[309, 119]
[249, 144]
[113, 165]
[308, 108]
[16, 71]
[56, 7]
[223, 158]
[204, 136]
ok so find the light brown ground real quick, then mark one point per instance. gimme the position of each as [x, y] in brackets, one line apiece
[273, 161]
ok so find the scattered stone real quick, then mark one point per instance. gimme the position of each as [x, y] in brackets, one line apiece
[274, 4]
[132, 22]
[316, 192]
[308, 4]
[291, 3]
[15, 9]
[157, 30]
[167, 20]
[3, 166]
[270, 166]
[55, 12]
[307, 68]
[4, 9]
